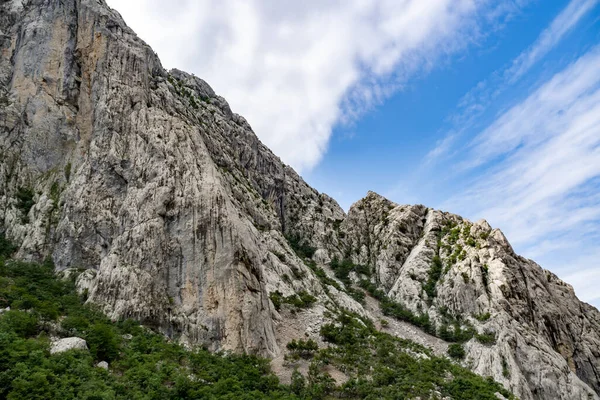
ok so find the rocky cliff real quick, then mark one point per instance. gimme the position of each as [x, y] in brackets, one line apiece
[184, 220]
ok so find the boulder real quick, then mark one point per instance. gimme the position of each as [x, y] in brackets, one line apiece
[66, 344]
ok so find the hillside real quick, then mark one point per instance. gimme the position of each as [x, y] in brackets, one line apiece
[184, 221]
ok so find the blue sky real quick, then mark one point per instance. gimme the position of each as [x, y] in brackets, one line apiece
[488, 109]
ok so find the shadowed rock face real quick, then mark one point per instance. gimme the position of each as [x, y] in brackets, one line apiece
[148, 180]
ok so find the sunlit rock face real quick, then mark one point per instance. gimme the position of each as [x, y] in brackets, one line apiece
[183, 219]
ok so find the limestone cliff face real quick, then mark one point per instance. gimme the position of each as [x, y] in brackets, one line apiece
[144, 177]
[546, 342]
[179, 214]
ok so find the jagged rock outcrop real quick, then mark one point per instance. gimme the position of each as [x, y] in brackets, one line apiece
[546, 342]
[183, 219]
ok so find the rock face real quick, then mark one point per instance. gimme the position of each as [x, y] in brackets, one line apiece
[66, 344]
[546, 341]
[183, 219]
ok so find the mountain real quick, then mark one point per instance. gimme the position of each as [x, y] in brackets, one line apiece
[185, 221]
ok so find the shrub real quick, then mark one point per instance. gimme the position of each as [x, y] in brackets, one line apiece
[280, 256]
[103, 342]
[301, 300]
[298, 383]
[75, 324]
[25, 202]
[6, 247]
[456, 351]
[505, 368]
[22, 323]
[300, 246]
[487, 337]
[349, 329]
[485, 277]
[67, 171]
[357, 295]
[277, 299]
[342, 269]
[397, 310]
[435, 272]
[303, 348]
[483, 317]
[322, 276]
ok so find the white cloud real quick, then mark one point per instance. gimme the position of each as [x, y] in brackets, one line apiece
[549, 38]
[295, 69]
[476, 101]
[538, 173]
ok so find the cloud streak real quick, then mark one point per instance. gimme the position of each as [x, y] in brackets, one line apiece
[296, 69]
[549, 38]
[478, 100]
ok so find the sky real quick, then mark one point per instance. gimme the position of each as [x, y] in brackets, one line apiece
[487, 109]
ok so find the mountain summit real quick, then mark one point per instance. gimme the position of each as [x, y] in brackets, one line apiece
[185, 221]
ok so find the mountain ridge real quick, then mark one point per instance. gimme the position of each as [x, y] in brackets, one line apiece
[184, 220]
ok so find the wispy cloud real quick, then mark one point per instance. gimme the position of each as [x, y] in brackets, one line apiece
[295, 69]
[538, 169]
[549, 38]
[477, 101]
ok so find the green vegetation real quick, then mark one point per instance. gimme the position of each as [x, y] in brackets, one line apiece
[505, 369]
[457, 334]
[25, 202]
[302, 348]
[342, 270]
[456, 351]
[485, 277]
[381, 366]
[450, 331]
[483, 317]
[300, 300]
[322, 275]
[357, 295]
[397, 310]
[6, 247]
[487, 337]
[4, 101]
[145, 365]
[300, 246]
[68, 167]
[183, 91]
[435, 273]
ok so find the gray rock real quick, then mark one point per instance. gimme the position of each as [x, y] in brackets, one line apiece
[103, 365]
[547, 341]
[66, 344]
